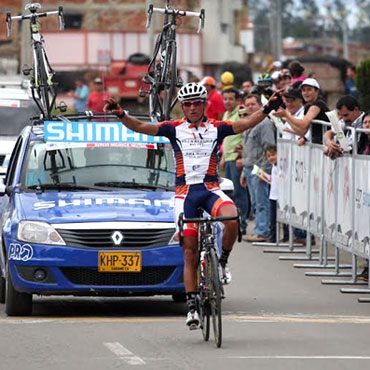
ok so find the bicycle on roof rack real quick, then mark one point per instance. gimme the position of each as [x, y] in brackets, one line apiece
[42, 86]
[162, 74]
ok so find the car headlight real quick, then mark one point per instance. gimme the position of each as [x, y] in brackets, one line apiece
[38, 232]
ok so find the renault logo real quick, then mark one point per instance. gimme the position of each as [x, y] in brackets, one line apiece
[117, 237]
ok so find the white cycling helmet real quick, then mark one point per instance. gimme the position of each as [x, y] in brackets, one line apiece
[191, 91]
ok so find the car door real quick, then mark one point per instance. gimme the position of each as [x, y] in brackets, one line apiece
[6, 207]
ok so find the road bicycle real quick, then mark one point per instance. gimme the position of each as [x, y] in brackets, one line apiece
[162, 74]
[209, 274]
[42, 86]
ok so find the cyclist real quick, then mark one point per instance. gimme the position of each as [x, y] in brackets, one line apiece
[195, 141]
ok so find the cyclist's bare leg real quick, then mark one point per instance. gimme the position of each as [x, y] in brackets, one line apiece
[231, 227]
[191, 259]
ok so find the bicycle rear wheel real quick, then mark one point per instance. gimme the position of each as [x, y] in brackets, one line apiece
[215, 298]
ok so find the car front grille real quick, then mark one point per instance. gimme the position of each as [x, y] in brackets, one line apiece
[132, 238]
[150, 275]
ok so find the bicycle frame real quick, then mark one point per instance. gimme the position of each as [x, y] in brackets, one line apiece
[42, 85]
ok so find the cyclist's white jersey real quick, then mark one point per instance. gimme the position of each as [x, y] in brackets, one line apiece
[195, 148]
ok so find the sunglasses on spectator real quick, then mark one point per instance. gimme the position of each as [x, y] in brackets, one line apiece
[196, 103]
[243, 114]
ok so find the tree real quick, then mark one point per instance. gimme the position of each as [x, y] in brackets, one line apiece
[363, 84]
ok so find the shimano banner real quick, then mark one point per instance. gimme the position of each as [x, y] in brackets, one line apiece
[96, 132]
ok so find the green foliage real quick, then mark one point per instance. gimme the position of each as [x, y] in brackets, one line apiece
[363, 84]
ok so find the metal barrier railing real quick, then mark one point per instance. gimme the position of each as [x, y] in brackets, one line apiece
[329, 199]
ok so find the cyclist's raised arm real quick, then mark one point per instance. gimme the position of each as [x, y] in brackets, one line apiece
[130, 122]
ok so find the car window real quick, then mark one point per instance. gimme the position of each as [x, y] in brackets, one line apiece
[91, 166]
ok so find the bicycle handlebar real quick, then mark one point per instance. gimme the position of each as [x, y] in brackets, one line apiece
[182, 220]
[175, 12]
[58, 12]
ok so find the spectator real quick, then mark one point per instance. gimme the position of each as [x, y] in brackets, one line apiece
[271, 155]
[230, 158]
[215, 105]
[350, 84]
[97, 97]
[285, 79]
[227, 80]
[264, 85]
[314, 108]
[351, 116]
[80, 95]
[254, 143]
[364, 141]
[247, 87]
[296, 70]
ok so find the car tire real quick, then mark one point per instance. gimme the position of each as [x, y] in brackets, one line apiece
[16, 303]
[2, 289]
[179, 297]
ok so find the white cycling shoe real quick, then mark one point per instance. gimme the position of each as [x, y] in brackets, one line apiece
[192, 320]
[226, 275]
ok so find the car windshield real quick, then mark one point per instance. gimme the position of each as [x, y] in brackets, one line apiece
[79, 166]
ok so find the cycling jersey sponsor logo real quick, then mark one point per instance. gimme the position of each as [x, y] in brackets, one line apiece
[19, 252]
[96, 132]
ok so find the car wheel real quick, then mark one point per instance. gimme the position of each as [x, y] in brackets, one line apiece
[179, 297]
[16, 304]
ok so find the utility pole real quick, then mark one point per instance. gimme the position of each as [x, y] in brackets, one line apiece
[25, 42]
[150, 31]
[275, 28]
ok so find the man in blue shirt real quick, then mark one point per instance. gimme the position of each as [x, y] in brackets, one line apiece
[80, 96]
[350, 84]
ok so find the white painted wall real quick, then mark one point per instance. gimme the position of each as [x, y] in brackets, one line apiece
[218, 46]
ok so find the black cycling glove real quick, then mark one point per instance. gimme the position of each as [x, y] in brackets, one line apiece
[273, 104]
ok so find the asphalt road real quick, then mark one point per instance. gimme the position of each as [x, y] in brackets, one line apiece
[274, 318]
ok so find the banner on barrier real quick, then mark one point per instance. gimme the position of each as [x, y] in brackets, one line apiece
[299, 206]
[284, 172]
[330, 201]
[361, 242]
[345, 203]
[316, 183]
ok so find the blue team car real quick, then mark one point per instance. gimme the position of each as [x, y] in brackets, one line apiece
[85, 214]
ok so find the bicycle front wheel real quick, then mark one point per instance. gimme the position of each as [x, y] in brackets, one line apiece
[203, 302]
[215, 298]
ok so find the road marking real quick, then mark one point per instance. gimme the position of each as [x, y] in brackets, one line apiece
[123, 353]
[299, 357]
[240, 317]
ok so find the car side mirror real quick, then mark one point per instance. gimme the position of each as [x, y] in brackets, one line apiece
[9, 190]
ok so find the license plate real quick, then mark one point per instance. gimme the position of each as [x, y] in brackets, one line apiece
[119, 262]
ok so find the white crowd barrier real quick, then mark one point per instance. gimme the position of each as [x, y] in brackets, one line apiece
[329, 199]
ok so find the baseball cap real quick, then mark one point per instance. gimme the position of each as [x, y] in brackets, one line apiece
[98, 80]
[310, 82]
[293, 93]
